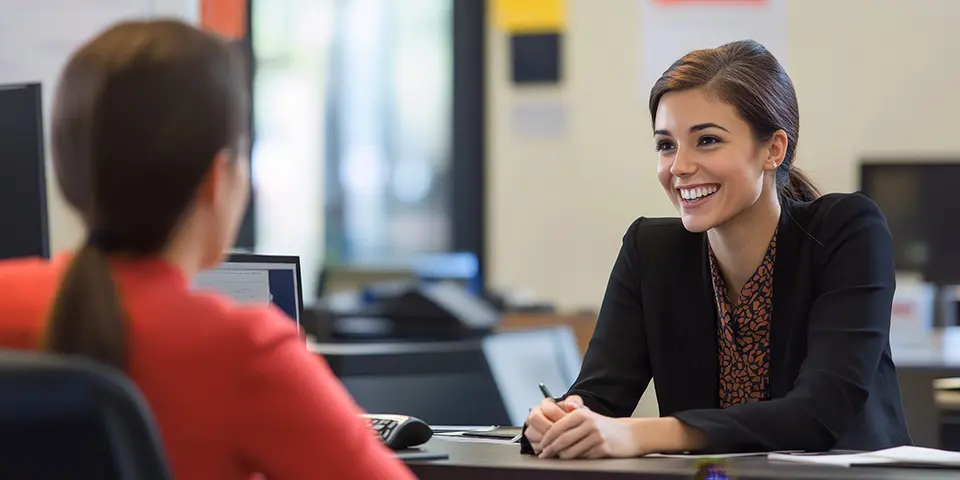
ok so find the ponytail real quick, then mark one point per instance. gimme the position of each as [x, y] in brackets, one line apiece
[141, 112]
[86, 318]
[799, 187]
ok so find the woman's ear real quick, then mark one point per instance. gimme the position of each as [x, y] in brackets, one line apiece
[776, 151]
[210, 190]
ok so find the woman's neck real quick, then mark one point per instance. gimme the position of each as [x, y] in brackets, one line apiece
[740, 244]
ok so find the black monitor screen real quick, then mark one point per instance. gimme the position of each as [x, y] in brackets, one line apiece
[23, 193]
[920, 203]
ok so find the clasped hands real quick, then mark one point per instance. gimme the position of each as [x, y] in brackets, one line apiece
[569, 429]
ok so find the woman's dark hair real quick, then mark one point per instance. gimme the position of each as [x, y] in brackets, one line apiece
[140, 113]
[744, 74]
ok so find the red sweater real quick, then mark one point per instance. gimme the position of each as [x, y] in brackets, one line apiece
[233, 388]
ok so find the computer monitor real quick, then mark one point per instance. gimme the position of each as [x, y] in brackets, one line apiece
[442, 383]
[23, 187]
[918, 201]
[250, 278]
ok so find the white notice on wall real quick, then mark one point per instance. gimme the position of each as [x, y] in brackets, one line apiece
[538, 119]
[673, 28]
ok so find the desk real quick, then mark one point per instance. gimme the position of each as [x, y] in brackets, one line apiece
[477, 461]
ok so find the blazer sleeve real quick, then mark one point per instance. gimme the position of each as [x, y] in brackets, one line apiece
[848, 330]
[616, 366]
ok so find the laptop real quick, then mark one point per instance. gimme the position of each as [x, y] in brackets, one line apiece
[252, 278]
[549, 355]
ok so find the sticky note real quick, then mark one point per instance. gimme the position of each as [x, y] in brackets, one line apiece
[528, 16]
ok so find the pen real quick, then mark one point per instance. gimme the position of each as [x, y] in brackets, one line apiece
[546, 392]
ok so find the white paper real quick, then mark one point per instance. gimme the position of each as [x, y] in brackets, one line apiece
[538, 119]
[717, 456]
[464, 428]
[490, 441]
[897, 455]
[243, 286]
[671, 30]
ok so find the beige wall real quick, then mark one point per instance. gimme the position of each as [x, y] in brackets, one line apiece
[41, 56]
[873, 77]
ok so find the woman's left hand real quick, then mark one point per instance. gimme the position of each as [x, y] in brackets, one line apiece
[583, 433]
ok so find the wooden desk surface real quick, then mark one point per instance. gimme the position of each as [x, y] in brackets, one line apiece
[475, 461]
[582, 325]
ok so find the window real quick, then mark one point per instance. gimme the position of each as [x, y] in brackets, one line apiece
[367, 130]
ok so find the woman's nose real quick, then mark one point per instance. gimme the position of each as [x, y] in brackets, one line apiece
[683, 166]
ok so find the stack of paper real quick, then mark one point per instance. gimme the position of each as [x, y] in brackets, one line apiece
[898, 456]
[479, 434]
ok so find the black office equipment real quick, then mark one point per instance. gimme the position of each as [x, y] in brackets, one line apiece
[919, 202]
[72, 418]
[399, 432]
[438, 310]
[490, 381]
[23, 190]
[442, 383]
[420, 456]
[408, 310]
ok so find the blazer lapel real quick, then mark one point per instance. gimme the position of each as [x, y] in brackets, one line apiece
[699, 331]
[784, 276]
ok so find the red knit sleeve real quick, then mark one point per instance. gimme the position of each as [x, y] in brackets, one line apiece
[293, 417]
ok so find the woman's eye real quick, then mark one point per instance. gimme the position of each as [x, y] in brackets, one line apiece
[664, 146]
[707, 141]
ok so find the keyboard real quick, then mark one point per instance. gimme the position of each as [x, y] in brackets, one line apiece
[399, 432]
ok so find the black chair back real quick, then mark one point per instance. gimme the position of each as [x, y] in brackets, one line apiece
[64, 417]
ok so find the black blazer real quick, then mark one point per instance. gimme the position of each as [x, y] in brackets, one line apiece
[833, 383]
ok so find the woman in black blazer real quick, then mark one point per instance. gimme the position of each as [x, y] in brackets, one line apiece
[762, 313]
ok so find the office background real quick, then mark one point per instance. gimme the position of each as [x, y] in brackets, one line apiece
[871, 76]
[876, 80]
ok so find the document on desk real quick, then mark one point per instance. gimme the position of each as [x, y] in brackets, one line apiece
[462, 428]
[717, 456]
[459, 437]
[894, 457]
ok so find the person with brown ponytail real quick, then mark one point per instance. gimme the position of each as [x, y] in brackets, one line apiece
[762, 313]
[148, 137]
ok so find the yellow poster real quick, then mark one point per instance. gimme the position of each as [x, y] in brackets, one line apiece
[528, 16]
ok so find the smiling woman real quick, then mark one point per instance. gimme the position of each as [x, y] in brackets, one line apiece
[762, 313]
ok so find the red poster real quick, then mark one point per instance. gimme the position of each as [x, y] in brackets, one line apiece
[226, 17]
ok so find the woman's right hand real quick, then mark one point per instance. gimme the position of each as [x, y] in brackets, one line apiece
[545, 415]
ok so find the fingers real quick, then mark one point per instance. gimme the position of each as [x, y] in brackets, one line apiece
[598, 451]
[568, 422]
[589, 447]
[537, 425]
[551, 410]
[572, 443]
[572, 402]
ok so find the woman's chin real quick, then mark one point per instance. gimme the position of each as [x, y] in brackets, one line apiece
[695, 223]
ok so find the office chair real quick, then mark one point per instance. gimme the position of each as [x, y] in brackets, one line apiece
[63, 417]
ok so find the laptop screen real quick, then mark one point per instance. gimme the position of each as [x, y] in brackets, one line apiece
[549, 355]
[248, 278]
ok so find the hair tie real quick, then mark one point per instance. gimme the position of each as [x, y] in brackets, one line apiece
[101, 240]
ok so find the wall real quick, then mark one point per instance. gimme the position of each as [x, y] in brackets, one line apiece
[35, 42]
[874, 77]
